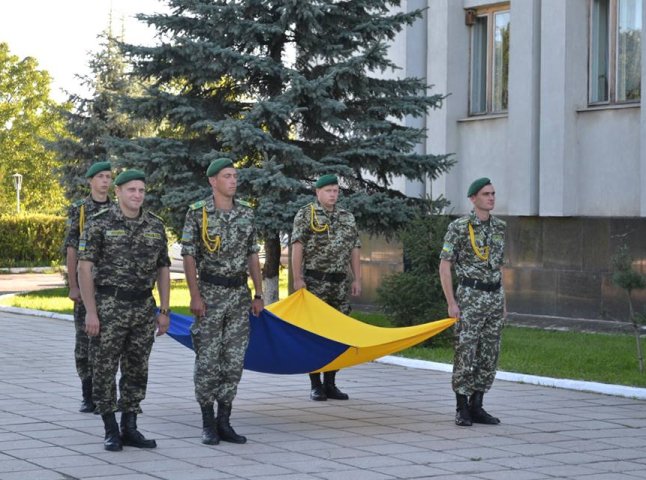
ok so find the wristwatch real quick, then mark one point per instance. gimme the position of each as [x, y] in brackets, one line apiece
[164, 311]
[257, 297]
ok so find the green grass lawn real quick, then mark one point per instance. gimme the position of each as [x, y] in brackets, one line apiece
[580, 356]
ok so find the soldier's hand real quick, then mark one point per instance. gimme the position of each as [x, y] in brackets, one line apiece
[163, 323]
[356, 288]
[298, 284]
[256, 306]
[454, 311]
[74, 294]
[198, 307]
[92, 325]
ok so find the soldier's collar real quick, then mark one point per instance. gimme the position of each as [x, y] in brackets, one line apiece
[210, 206]
[474, 220]
[320, 207]
[119, 213]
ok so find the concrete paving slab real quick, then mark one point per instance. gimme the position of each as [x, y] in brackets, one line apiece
[377, 434]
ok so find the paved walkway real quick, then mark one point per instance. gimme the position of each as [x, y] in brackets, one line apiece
[397, 424]
[23, 282]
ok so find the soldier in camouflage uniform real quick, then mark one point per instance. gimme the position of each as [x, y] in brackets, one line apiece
[99, 177]
[123, 250]
[475, 244]
[325, 242]
[219, 246]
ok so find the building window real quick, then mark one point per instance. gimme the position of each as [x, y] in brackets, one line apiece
[489, 82]
[615, 51]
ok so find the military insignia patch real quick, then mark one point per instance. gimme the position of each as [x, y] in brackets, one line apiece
[447, 247]
[115, 233]
[152, 235]
[81, 245]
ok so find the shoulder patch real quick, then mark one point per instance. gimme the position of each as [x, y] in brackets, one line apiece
[243, 203]
[78, 203]
[196, 205]
[154, 215]
[100, 212]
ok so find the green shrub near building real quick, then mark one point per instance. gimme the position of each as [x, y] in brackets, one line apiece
[415, 295]
[31, 239]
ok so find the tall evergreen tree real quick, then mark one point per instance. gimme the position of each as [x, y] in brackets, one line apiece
[95, 119]
[292, 90]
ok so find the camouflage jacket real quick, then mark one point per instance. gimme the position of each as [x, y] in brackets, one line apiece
[328, 238]
[458, 250]
[80, 210]
[236, 232]
[125, 252]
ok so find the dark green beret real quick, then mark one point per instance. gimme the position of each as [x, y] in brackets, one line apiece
[329, 179]
[217, 165]
[96, 168]
[129, 175]
[477, 185]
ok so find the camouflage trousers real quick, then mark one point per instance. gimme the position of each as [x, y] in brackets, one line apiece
[477, 339]
[335, 294]
[127, 334]
[81, 343]
[220, 340]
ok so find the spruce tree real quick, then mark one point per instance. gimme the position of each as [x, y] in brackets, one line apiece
[93, 121]
[290, 90]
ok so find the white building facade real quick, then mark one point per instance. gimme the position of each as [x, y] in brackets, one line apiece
[544, 97]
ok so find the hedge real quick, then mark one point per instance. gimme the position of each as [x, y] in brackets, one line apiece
[31, 239]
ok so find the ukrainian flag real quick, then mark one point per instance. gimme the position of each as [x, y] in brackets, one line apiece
[303, 334]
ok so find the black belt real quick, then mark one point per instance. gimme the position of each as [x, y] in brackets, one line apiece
[326, 276]
[124, 293]
[231, 282]
[480, 285]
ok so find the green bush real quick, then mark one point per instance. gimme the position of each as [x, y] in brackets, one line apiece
[415, 295]
[31, 239]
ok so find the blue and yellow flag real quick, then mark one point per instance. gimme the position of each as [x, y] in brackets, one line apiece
[303, 334]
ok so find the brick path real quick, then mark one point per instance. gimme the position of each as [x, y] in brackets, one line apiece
[397, 424]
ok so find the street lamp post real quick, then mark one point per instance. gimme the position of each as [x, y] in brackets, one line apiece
[17, 183]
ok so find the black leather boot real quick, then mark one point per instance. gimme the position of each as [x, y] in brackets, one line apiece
[478, 414]
[112, 441]
[462, 414]
[132, 437]
[331, 390]
[318, 392]
[226, 432]
[87, 405]
[209, 430]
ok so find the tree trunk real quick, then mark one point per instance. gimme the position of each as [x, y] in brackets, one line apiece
[636, 331]
[290, 272]
[271, 269]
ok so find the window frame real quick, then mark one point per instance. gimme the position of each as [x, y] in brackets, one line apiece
[489, 12]
[612, 61]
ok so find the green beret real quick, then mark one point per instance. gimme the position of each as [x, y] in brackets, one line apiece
[217, 165]
[325, 180]
[96, 168]
[477, 185]
[129, 175]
